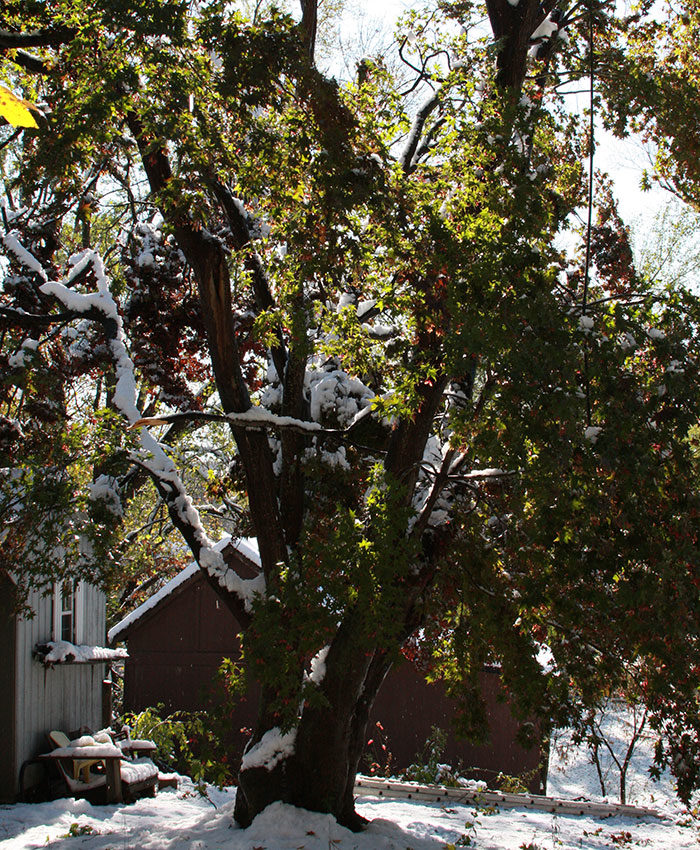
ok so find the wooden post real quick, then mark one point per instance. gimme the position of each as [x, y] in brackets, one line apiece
[114, 780]
[107, 686]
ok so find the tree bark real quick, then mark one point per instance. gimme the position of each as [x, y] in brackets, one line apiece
[330, 739]
[332, 732]
[513, 26]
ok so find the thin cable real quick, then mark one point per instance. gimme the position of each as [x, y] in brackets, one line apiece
[591, 134]
[591, 154]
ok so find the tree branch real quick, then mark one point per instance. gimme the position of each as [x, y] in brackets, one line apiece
[34, 320]
[408, 439]
[189, 532]
[15, 41]
[309, 23]
[248, 420]
[240, 230]
[439, 483]
[29, 62]
[209, 262]
[421, 72]
[52, 37]
[425, 144]
[406, 158]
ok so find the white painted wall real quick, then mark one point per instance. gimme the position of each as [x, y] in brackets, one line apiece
[68, 695]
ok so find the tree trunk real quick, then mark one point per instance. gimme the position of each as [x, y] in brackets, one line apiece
[330, 739]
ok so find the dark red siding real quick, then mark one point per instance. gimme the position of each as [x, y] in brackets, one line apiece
[408, 708]
[175, 652]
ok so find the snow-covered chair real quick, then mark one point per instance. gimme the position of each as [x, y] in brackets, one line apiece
[134, 778]
[139, 778]
[80, 768]
[139, 773]
[134, 748]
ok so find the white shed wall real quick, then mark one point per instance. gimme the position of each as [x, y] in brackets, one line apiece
[65, 697]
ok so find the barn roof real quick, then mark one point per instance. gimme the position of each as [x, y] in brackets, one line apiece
[245, 546]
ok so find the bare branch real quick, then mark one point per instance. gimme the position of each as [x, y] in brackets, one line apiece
[421, 72]
[406, 159]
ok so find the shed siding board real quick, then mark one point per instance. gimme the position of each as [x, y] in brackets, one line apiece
[93, 616]
[8, 634]
[408, 708]
[65, 697]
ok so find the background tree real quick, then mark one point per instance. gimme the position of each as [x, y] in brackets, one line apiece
[449, 439]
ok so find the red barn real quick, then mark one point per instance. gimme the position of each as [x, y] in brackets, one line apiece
[178, 638]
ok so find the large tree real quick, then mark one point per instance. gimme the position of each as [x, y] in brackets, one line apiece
[451, 438]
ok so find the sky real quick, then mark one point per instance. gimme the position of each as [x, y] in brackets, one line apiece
[625, 161]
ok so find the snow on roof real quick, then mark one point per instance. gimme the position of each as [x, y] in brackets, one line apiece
[246, 546]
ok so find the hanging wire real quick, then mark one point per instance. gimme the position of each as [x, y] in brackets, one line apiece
[589, 227]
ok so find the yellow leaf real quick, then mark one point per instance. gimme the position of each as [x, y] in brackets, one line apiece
[147, 422]
[16, 110]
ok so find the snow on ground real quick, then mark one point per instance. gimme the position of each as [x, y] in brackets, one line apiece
[572, 773]
[187, 820]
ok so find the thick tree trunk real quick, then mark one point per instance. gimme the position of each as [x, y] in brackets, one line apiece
[330, 739]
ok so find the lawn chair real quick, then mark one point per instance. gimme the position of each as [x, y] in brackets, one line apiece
[139, 773]
[121, 779]
[80, 768]
[139, 778]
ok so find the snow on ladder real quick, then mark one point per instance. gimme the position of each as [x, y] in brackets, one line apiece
[365, 785]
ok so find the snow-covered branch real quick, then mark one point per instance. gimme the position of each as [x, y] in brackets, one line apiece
[438, 485]
[255, 418]
[414, 137]
[408, 157]
[14, 246]
[101, 306]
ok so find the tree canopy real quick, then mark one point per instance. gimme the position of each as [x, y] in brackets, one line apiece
[341, 314]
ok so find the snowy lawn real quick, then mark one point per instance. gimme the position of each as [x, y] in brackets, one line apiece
[572, 773]
[186, 820]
